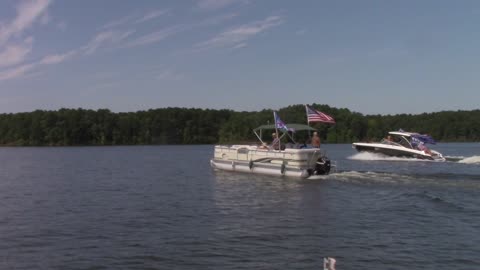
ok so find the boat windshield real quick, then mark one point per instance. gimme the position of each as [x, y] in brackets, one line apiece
[405, 142]
[397, 140]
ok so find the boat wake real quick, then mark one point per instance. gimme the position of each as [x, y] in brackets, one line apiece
[369, 156]
[470, 160]
[437, 199]
[443, 179]
[369, 176]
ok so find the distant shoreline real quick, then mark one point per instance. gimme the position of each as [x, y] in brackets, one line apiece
[187, 126]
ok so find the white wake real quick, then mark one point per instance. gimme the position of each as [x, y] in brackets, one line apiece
[369, 156]
[470, 160]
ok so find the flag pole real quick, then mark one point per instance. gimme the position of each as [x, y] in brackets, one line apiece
[306, 113]
[275, 116]
[308, 122]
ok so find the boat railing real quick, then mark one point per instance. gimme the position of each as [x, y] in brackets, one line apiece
[251, 152]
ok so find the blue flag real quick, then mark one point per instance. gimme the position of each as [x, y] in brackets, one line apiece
[423, 138]
[278, 122]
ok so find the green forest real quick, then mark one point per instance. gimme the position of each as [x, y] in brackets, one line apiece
[72, 127]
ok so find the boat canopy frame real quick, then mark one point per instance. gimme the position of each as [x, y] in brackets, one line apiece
[403, 141]
[421, 137]
[291, 128]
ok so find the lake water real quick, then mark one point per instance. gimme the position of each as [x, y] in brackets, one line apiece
[163, 207]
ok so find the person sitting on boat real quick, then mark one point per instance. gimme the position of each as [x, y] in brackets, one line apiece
[315, 140]
[302, 145]
[263, 146]
[388, 140]
[290, 141]
[422, 147]
[276, 142]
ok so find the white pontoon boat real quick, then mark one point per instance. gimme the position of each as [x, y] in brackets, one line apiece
[293, 160]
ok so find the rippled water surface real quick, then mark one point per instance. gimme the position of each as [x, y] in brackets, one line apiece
[163, 207]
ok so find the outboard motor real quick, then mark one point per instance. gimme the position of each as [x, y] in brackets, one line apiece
[323, 166]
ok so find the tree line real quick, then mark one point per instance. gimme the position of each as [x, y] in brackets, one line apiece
[67, 127]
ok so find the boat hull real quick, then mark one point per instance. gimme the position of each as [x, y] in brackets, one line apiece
[298, 163]
[396, 151]
[259, 168]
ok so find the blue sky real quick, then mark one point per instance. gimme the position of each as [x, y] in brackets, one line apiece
[372, 57]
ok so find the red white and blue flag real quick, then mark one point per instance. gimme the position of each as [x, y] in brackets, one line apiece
[317, 116]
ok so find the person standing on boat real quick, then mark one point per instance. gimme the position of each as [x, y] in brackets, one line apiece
[315, 140]
[275, 142]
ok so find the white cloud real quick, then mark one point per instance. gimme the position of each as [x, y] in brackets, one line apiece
[156, 36]
[153, 37]
[27, 13]
[119, 22]
[152, 15]
[35, 11]
[57, 58]
[107, 37]
[239, 46]
[134, 18]
[15, 72]
[15, 54]
[238, 35]
[23, 69]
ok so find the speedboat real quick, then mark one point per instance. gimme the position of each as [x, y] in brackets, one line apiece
[291, 160]
[402, 144]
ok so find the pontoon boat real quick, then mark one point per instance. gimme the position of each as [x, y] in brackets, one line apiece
[293, 160]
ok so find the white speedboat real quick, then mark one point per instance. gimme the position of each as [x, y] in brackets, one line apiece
[294, 160]
[402, 144]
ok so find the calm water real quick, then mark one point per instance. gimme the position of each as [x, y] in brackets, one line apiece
[162, 207]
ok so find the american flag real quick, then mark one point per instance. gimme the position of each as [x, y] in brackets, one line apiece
[317, 116]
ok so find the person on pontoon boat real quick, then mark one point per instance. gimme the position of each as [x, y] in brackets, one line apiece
[276, 142]
[315, 140]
